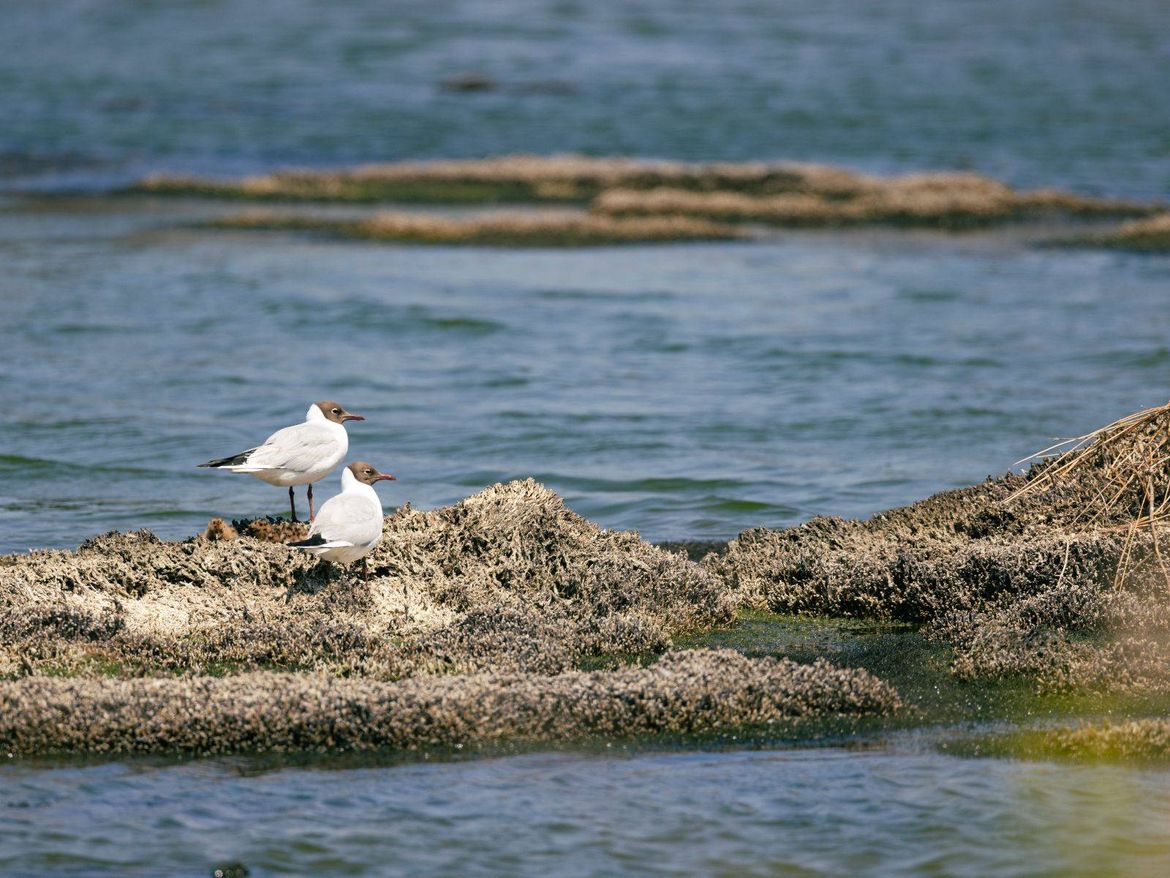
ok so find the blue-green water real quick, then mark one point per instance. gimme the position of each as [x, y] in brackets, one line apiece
[832, 812]
[1047, 92]
[686, 391]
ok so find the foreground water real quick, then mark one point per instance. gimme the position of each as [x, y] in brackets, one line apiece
[892, 811]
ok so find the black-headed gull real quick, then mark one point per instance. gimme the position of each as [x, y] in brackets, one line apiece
[297, 455]
[350, 524]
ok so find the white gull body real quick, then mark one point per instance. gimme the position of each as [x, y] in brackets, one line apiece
[297, 455]
[347, 526]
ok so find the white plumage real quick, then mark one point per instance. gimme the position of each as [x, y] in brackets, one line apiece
[298, 455]
[349, 525]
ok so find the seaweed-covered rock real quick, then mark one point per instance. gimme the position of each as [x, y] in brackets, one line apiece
[508, 579]
[684, 692]
[1056, 574]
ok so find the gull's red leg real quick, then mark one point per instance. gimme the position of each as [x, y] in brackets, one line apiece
[292, 503]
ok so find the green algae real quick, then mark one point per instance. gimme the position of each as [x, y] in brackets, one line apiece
[956, 712]
[1103, 738]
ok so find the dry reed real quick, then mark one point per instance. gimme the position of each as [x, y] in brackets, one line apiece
[1128, 462]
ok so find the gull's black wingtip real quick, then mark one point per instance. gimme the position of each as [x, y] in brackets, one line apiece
[234, 460]
[315, 540]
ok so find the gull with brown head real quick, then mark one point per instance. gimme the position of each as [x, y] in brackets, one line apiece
[297, 455]
[350, 524]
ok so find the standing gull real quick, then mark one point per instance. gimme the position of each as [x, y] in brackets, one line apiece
[350, 524]
[297, 455]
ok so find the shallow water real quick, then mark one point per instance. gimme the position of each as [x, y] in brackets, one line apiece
[887, 812]
[687, 391]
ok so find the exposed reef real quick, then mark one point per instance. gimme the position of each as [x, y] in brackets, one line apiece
[686, 692]
[932, 200]
[1056, 576]
[494, 230]
[508, 617]
[506, 580]
[510, 178]
[473, 628]
[1149, 235]
[661, 193]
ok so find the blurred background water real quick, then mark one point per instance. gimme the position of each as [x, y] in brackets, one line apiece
[1048, 92]
[685, 391]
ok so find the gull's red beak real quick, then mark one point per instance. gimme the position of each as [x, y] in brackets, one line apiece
[350, 417]
[385, 477]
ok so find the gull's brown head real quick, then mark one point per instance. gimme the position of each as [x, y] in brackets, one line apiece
[335, 412]
[367, 473]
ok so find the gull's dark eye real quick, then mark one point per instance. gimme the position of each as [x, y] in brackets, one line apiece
[337, 411]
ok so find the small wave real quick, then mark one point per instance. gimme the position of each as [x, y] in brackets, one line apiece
[19, 163]
[925, 297]
[468, 325]
[15, 463]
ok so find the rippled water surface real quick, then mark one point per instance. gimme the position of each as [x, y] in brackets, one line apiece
[779, 813]
[686, 391]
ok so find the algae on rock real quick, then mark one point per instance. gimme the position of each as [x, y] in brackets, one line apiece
[508, 579]
[685, 692]
[475, 620]
[1020, 575]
